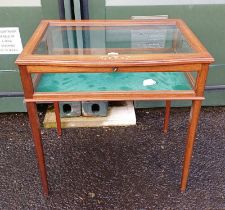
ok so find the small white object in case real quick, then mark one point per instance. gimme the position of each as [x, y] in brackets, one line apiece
[148, 82]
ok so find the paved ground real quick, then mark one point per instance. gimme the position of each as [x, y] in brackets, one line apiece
[134, 167]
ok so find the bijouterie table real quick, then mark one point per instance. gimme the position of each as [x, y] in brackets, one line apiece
[112, 60]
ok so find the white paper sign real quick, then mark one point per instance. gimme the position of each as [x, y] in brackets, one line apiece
[20, 3]
[148, 38]
[10, 41]
[161, 2]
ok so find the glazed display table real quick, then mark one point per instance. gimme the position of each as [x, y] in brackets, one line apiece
[113, 60]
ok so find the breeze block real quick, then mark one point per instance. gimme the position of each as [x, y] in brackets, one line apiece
[70, 109]
[94, 108]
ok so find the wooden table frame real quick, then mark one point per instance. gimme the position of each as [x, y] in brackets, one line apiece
[182, 62]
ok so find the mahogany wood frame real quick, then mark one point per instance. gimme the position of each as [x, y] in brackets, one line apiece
[184, 62]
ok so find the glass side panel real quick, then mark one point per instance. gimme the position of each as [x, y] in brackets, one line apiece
[94, 82]
[103, 40]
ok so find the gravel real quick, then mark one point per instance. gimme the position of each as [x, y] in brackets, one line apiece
[136, 167]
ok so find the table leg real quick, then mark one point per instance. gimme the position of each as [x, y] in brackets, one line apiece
[57, 116]
[35, 127]
[193, 123]
[167, 116]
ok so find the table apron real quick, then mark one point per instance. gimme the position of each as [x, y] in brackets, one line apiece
[74, 69]
[114, 96]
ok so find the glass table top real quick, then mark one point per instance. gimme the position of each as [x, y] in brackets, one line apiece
[112, 43]
[112, 40]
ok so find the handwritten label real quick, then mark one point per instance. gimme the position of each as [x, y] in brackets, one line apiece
[10, 41]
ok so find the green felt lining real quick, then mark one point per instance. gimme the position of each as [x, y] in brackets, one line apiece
[94, 82]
